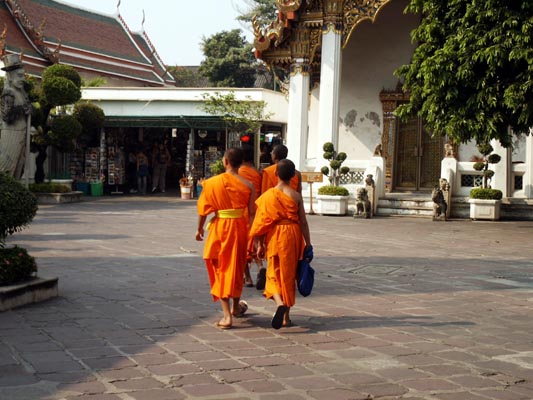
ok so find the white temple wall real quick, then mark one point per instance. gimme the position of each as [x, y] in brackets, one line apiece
[374, 52]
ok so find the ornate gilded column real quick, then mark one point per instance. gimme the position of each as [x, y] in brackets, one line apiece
[330, 75]
[297, 124]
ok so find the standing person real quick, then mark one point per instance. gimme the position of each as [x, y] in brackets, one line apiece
[142, 171]
[249, 172]
[281, 233]
[160, 162]
[228, 196]
[279, 152]
[131, 171]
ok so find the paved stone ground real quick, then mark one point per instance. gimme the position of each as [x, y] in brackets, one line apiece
[402, 309]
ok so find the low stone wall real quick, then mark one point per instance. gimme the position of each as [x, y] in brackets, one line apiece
[58, 198]
[34, 291]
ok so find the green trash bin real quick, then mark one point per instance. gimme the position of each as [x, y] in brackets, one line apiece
[97, 189]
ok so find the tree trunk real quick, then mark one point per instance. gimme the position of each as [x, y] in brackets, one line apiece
[39, 164]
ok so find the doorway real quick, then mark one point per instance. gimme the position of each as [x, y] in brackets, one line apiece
[418, 157]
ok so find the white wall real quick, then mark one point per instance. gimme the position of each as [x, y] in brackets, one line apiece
[373, 53]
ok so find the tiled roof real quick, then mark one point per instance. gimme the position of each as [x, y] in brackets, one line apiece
[89, 41]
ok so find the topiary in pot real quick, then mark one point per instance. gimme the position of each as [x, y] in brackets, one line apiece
[335, 169]
[18, 206]
[330, 190]
[485, 192]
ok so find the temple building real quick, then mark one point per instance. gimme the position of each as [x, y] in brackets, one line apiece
[137, 93]
[48, 32]
[340, 57]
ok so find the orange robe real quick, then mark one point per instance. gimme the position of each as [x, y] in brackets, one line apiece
[254, 176]
[225, 246]
[277, 218]
[270, 179]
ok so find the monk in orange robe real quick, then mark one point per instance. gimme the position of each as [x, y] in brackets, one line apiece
[270, 178]
[249, 172]
[228, 196]
[280, 226]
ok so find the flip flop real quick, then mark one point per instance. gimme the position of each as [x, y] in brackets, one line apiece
[277, 320]
[251, 284]
[243, 307]
[223, 326]
[287, 325]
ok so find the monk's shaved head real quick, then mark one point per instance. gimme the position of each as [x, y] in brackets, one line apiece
[234, 155]
[279, 152]
[285, 170]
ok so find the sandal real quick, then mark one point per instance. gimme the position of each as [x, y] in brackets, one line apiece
[222, 326]
[277, 320]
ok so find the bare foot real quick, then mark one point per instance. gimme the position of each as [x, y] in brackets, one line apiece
[223, 324]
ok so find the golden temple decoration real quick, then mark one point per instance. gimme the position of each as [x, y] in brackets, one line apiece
[287, 6]
[356, 11]
[273, 33]
[303, 69]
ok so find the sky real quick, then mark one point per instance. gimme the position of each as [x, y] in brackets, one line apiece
[175, 27]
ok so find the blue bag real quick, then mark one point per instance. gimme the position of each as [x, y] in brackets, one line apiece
[305, 274]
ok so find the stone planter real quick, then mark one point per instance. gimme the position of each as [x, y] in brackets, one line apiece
[332, 205]
[485, 209]
[33, 291]
[59, 198]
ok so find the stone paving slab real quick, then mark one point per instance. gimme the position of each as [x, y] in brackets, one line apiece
[403, 308]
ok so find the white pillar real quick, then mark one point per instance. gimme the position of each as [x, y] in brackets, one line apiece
[528, 176]
[502, 171]
[297, 124]
[330, 74]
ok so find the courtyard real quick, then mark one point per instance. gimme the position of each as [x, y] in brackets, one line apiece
[403, 308]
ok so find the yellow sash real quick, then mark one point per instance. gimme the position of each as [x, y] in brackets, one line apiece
[226, 214]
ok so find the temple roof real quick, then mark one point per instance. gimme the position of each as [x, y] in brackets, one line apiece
[96, 44]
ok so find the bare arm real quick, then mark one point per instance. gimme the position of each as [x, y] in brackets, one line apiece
[304, 226]
[200, 229]
[299, 188]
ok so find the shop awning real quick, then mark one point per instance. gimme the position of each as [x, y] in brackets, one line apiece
[169, 121]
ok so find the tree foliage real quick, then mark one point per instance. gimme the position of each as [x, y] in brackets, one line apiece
[263, 10]
[61, 86]
[470, 76]
[239, 116]
[229, 61]
[187, 76]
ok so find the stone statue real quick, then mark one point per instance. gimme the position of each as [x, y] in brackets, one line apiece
[15, 109]
[362, 204]
[440, 206]
[448, 150]
[378, 150]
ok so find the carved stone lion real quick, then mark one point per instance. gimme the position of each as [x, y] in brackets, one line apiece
[439, 203]
[362, 203]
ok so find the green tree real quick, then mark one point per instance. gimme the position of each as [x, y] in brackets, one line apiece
[263, 10]
[229, 61]
[239, 116]
[61, 86]
[187, 76]
[470, 76]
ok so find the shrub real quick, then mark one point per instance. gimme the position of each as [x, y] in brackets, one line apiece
[49, 188]
[486, 194]
[335, 169]
[331, 190]
[18, 206]
[217, 167]
[16, 265]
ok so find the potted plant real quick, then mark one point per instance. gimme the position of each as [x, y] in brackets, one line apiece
[484, 201]
[332, 198]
